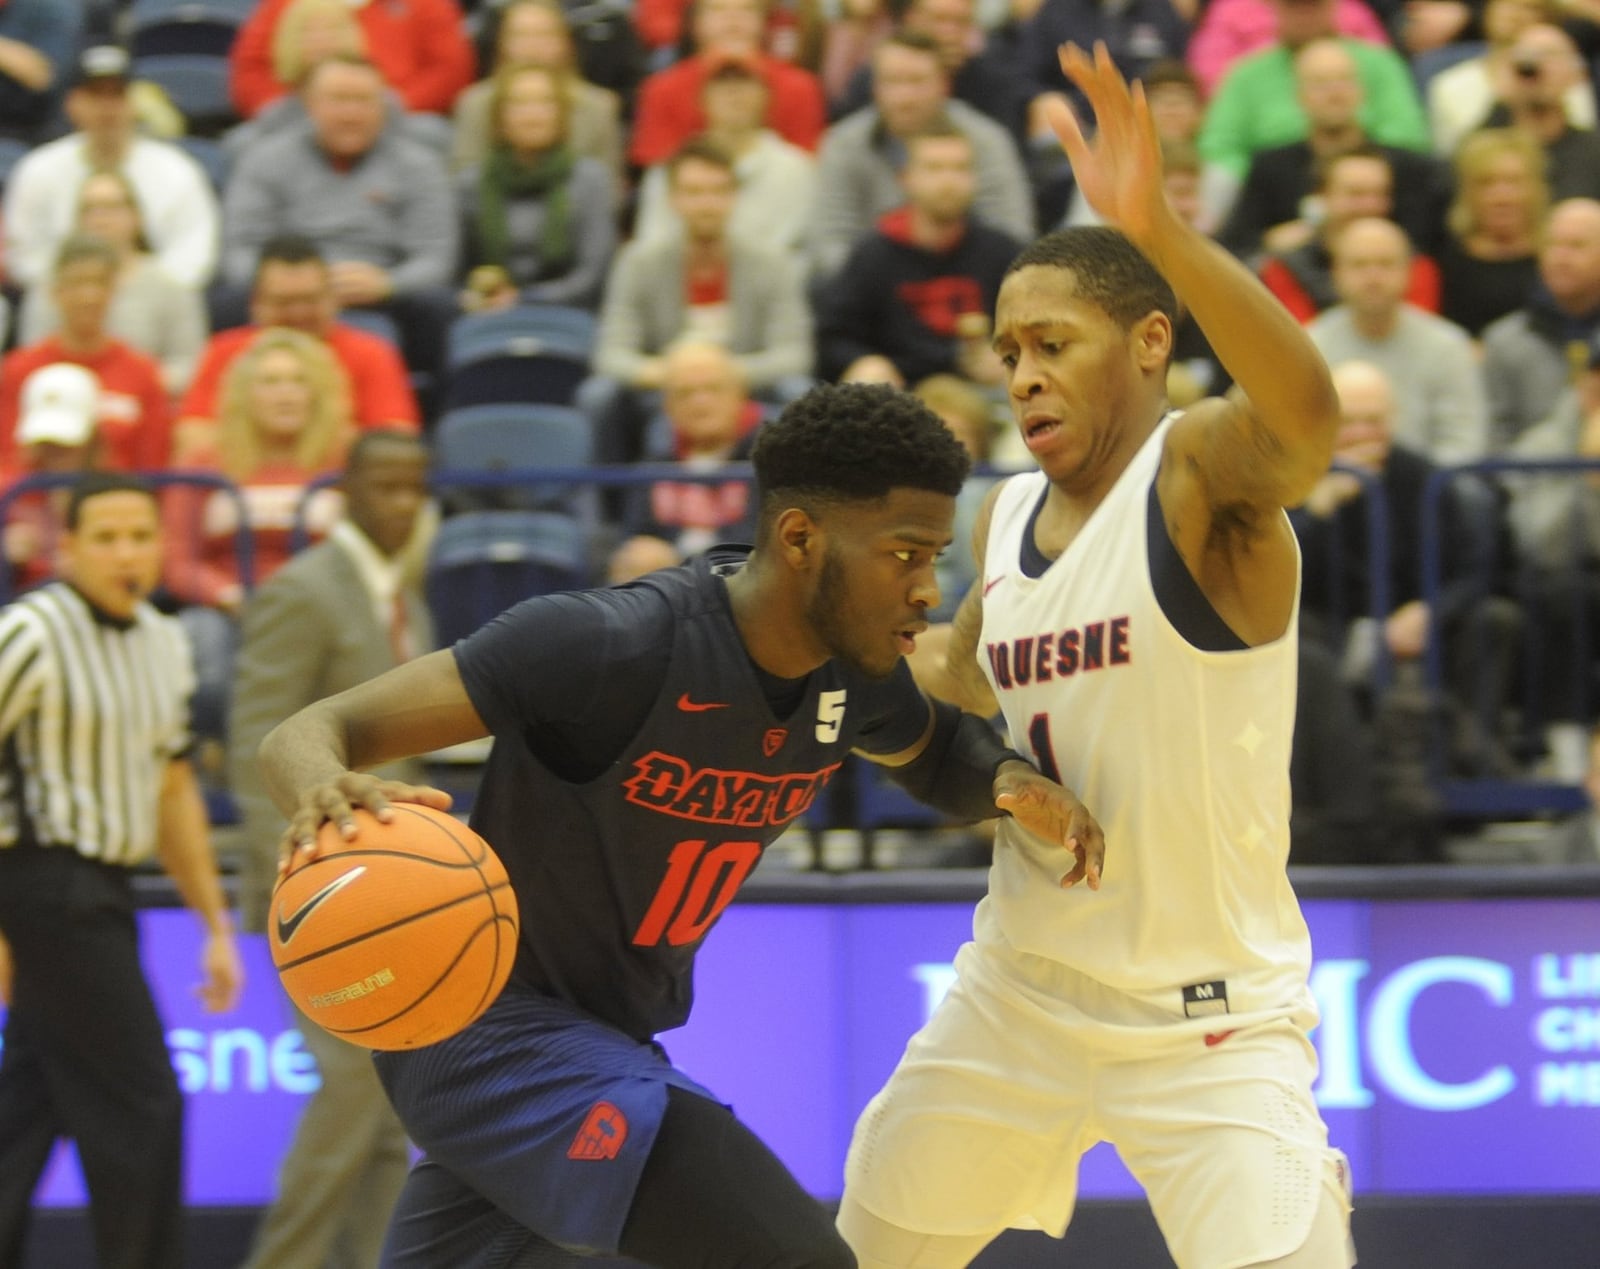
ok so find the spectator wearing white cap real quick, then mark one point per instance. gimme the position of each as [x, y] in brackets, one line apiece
[56, 435]
[179, 209]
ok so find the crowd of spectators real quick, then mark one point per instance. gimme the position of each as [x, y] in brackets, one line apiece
[747, 196]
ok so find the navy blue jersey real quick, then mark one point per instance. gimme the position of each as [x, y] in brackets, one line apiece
[642, 763]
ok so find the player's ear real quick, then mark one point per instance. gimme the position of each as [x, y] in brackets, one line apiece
[796, 535]
[1152, 341]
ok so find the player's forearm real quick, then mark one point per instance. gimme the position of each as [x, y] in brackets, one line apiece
[307, 749]
[185, 848]
[948, 674]
[1269, 355]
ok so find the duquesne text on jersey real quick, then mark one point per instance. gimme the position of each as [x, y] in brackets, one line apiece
[1059, 654]
[670, 785]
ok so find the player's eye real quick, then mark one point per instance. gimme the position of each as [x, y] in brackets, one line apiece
[1008, 360]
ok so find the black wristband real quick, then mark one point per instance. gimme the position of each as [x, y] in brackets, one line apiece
[955, 772]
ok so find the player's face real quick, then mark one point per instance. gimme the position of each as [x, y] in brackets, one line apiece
[876, 582]
[114, 555]
[1072, 374]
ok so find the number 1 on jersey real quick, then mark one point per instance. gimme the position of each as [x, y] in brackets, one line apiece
[1043, 751]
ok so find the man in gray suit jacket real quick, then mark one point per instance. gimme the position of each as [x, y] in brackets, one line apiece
[308, 634]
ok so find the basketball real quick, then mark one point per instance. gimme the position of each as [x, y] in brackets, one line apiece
[399, 938]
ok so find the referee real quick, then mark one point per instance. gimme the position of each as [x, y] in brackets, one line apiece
[94, 690]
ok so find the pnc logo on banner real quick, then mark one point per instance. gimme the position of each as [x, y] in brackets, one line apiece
[602, 1134]
[773, 740]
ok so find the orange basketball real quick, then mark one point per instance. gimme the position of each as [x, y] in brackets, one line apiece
[399, 938]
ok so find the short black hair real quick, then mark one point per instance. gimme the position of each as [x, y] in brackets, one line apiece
[1107, 269]
[288, 249]
[377, 439]
[854, 442]
[95, 483]
[1323, 169]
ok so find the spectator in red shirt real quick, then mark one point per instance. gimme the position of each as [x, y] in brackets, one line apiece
[292, 288]
[669, 110]
[135, 425]
[421, 46]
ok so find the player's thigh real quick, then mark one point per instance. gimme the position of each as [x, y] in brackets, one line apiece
[880, 1245]
[1229, 1145]
[982, 1123]
[713, 1195]
[544, 1111]
[439, 1220]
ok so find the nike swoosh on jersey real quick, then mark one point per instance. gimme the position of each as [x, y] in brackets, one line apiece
[287, 929]
[993, 582]
[1214, 1038]
[698, 707]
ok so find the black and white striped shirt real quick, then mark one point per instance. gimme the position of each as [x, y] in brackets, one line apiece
[91, 712]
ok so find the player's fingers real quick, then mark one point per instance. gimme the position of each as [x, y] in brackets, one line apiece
[334, 807]
[1064, 123]
[1079, 70]
[422, 794]
[1092, 843]
[1077, 873]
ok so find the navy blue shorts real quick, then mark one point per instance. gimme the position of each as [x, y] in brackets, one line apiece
[541, 1109]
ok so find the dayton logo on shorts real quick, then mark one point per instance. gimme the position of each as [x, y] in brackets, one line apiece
[602, 1134]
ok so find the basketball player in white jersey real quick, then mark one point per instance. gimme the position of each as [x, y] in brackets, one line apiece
[1135, 620]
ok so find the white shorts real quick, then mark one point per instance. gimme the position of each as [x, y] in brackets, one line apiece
[1024, 1067]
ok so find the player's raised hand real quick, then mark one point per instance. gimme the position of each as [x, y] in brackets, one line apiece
[1119, 171]
[1054, 813]
[335, 802]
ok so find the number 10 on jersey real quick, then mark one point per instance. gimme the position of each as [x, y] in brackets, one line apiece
[685, 906]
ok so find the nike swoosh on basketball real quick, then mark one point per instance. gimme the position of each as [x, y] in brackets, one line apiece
[993, 582]
[698, 707]
[286, 929]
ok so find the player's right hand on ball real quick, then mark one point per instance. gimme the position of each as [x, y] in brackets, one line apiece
[336, 803]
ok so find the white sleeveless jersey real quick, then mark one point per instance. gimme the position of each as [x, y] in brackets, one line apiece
[1182, 756]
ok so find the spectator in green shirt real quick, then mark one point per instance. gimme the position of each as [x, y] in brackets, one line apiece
[1257, 105]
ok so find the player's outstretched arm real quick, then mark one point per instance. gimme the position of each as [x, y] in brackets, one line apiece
[1267, 446]
[946, 664]
[311, 760]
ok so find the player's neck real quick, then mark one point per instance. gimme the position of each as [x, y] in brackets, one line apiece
[771, 626]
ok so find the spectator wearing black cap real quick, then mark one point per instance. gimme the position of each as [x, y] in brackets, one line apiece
[37, 39]
[175, 196]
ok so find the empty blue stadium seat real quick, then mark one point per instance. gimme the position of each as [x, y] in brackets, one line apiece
[507, 437]
[196, 83]
[483, 562]
[531, 353]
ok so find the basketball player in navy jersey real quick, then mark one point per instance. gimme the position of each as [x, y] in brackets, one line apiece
[650, 741]
[1135, 621]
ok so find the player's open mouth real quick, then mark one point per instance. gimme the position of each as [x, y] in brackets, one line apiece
[1039, 426]
[907, 639]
